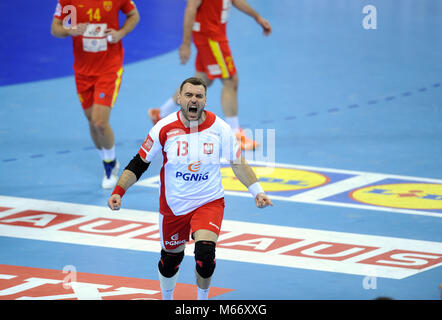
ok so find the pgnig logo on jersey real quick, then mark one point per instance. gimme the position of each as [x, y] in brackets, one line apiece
[194, 176]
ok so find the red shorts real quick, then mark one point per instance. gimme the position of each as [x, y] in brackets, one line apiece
[215, 59]
[102, 89]
[175, 230]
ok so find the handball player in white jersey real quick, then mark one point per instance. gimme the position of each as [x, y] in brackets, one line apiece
[192, 142]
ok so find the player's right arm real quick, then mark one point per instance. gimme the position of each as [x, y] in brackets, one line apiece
[129, 176]
[189, 20]
[64, 22]
[136, 167]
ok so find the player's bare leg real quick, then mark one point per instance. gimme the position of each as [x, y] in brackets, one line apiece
[229, 96]
[94, 134]
[229, 103]
[100, 121]
[103, 137]
[203, 284]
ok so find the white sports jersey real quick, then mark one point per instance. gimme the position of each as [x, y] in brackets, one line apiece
[190, 176]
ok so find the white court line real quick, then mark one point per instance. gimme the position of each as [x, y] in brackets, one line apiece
[337, 187]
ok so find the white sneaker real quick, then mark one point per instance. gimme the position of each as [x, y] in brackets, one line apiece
[110, 178]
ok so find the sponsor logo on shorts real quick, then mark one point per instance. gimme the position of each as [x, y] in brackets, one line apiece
[175, 241]
[214, 69]
[212, 224]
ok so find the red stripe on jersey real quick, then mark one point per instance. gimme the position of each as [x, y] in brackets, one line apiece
[181, 129]
[167, 128]
[142, 153]
[164, 207]
[208, 122]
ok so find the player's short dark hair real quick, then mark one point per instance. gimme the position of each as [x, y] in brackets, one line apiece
[195, 81]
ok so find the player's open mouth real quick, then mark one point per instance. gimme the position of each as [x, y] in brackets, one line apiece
[193, 110]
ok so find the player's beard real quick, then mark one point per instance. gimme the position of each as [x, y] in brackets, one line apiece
[192, 112]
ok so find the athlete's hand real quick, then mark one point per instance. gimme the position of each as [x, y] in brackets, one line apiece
[113, 36]
[77, 30]
[184, 52]
[266, 27]
[114, 202]
[262, 200]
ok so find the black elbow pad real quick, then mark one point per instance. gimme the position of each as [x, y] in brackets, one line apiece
[137, 166]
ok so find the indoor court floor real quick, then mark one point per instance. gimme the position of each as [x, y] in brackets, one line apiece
[346, 101]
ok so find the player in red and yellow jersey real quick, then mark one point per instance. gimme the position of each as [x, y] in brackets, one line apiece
[206, 21]
[98, 64]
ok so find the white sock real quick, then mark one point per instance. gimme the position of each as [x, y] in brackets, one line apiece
[233, 122]
[167, 108]
[167, 294]
[167, 285]
[203, 294]
[101, 153]
[109, 154]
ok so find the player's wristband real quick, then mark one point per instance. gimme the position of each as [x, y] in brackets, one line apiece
[255, 188]
[119, 190]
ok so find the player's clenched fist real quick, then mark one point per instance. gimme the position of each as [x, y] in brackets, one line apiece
[262, 200]
[114, 202]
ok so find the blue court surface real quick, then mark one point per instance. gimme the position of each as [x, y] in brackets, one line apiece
[346, 100]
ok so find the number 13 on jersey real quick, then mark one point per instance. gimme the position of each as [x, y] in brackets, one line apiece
[182, 148]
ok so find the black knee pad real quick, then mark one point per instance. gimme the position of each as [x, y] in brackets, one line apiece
[205, 258]
[170, 262]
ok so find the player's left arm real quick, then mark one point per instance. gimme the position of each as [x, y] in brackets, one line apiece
[132, 19]
[245, 174]
[243, 6]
